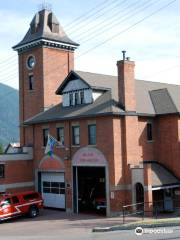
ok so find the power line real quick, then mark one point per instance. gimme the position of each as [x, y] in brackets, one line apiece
[7, 59]
[12, 74]
[71, 23]
[87, 16]
[129, 6]
[111, 25]
[5, 70]
[103, 22]
[162, 71]
[114, 36]
[130, 27]
[85, 23]
[90, 34]
[126, 29]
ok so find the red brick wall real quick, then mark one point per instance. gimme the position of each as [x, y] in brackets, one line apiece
[111, 140]
[167, 143]
[104, 138]
[121, 198]
[104, 144]
[21, 189]
[122, 144]
[146, 147]
[56, 66]
[31, 102]
[52, 66]
[17, 171]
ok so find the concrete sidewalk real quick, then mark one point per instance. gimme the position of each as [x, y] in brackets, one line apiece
[150, 223]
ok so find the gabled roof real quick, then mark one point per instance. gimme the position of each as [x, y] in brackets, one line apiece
[70, 77]
[152, 99]
[93, 80]
[40, 28]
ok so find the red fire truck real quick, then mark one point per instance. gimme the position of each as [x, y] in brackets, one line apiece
[13, 205]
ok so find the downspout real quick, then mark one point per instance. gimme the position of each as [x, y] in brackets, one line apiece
[68, 70]
[21, 98]
[70, 150]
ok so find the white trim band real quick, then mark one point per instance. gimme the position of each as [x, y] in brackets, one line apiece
[16, 157]
[165, 187]
[3, 187]
[47, 41]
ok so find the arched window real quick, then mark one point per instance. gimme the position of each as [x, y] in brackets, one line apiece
[139, 196]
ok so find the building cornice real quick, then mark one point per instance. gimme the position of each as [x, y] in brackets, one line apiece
[121, 114]
[46, 43]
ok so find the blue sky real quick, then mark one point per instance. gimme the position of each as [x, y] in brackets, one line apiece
[154, 44]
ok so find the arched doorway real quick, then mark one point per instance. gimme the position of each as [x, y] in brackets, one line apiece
[139, 196]
[90, 181]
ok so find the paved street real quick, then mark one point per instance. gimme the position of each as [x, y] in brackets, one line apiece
[52, 225]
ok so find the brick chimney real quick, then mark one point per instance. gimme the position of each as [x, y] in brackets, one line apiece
[126, 83]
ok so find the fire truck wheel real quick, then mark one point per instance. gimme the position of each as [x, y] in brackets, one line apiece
[33, 211]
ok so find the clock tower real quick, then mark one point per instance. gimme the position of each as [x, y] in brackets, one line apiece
[46, 56]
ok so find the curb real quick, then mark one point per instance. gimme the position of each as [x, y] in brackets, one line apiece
[133, 226]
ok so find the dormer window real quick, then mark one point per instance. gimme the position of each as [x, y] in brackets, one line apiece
[81, 97]
[71, 99]
[76, 98]
[77, 92]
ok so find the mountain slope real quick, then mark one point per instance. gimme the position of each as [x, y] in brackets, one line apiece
[9, 114]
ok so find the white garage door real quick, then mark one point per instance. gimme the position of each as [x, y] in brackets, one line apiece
[53, 189]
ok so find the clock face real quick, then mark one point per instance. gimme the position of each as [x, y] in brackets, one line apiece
[31, 62]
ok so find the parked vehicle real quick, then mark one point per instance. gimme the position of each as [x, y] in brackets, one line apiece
[13, 205]
[100, 203]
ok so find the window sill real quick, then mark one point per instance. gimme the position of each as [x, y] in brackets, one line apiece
[60, 146]
[91, 145]
[150, 141]
[75, 146]
[31, 91]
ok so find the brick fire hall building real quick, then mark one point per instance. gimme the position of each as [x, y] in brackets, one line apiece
[119, 136]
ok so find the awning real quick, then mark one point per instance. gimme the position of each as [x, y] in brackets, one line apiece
[162, 178]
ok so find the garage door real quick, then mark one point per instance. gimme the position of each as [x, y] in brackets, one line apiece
[53, 189]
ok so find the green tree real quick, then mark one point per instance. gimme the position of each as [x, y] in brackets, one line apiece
[1, 148]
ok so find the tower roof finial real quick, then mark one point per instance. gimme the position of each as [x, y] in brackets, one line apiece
[45, 6]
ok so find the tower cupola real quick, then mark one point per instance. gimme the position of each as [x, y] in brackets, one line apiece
[46, 30]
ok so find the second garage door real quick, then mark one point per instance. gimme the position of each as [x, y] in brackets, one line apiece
[53, 190]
